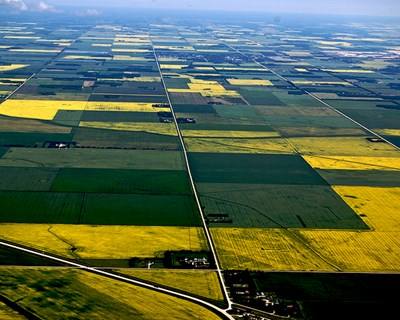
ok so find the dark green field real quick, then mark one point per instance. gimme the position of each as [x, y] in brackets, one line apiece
[253, 168]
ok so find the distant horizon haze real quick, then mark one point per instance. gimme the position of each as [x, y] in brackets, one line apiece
[331, 7]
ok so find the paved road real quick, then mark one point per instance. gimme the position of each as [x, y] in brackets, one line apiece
[221, 312]
[313, 96]
[203, 220]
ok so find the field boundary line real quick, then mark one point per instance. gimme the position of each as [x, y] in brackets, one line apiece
[204, 223]
[316, 98]
[114, 276]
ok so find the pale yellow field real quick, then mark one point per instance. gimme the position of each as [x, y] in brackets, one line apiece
[307, 82]
[228, 134]
[83, 57]
[353, 163]
[388, 132]
[150, 127]
[22, 37]
[92, 296]
[206, 88]
[357, 251]
[343, 146]
[105, 45]
[307, 250]
[177, 48]
[7, 313]
[108, 242]
[348, 70]
[123, 106]
[173, 66]
[11, 67]
[380, 205]
[130, 50]
[134, 79]
[334, 43]
[238, 145]
[264, 249]
[205, 68]
[241, 69]
[47, 109]
[36, 50]
[249, 82]
[150, 304]
[129, 58]
[199, 282]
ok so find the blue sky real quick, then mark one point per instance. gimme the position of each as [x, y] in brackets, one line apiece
[352, 7]
[368, 7]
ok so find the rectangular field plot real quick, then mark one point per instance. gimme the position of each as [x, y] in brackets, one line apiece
[122, 181]
[93, 158]
[361, 177]
[113, 209]
[264, 250]
[114, 139]
[343, 146]
[239, 145]
[105, 242]
[277, 206]
[38, 207]
[26, 178]
[158, 210]
[255, 168]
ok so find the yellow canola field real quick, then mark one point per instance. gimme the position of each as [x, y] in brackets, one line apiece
[173, 66]
[342, 146]
[11, 67]
[82, 57]
[348, 70]
[8, 313]
[366, 251]
[199, 282]
[265, 250]
[239, 145]
[149, 127]
[105, 45]
[130, 50]
[147, 304]
[176, 48]
[353, 163]
[307, 250]
[249, 82]
[205, 68]
[206, 89]
[333, 83]
[228, 134]
[36, 50]
[129, 58]
[379, 207]
[138, 79]
[38, 109]
[388, 132]
[47, 109]
[242, 69]
[105, 242]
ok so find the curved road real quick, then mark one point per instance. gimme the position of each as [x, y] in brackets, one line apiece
[219, 311]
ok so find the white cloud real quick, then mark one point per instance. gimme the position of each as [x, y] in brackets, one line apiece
[27, 5]
[88, 13]
[43, 6]
[15, 4]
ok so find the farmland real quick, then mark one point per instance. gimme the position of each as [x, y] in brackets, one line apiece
[183, 153]
[70, 293]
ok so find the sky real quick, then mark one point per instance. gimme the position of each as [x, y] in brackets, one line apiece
[352, 7]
